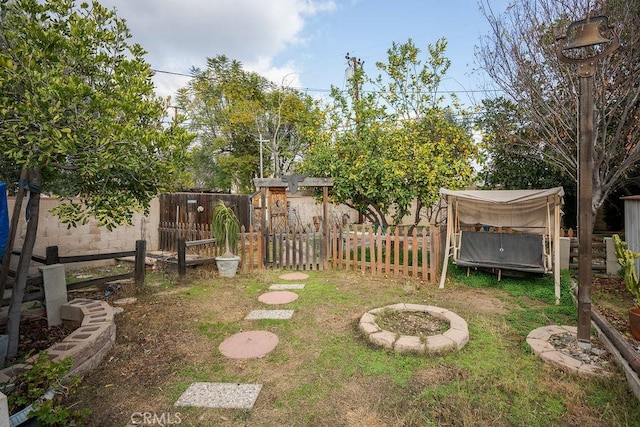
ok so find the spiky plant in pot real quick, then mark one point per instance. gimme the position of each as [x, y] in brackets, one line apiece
[225, 228]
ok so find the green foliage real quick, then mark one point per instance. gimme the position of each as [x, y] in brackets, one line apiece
[627, 260]
[515, 157]
[44, 375]
[225, 228]
[398, 143]
[231, 110]
[77, 104]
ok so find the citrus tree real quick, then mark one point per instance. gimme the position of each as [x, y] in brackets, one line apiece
[391, 140]
[79, 118]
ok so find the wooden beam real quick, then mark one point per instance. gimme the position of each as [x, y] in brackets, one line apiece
[278, 182]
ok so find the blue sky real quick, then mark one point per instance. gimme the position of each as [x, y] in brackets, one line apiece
[303, 43]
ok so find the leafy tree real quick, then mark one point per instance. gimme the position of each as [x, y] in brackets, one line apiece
[512, 165]
[231, 110]
[387, 147]
[77, 107]
[519, 54]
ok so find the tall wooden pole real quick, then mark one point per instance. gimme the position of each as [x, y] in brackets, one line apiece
[585, 202]
[586, 34]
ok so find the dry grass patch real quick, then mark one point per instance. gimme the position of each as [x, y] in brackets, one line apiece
[323, 373]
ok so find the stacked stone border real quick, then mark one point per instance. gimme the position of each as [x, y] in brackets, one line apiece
[538, 340]
[455, 338]
[94, 336]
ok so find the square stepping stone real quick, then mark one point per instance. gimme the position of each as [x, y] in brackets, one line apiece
[282, 286]
[220, 395]
[294, 276]
[269, 314]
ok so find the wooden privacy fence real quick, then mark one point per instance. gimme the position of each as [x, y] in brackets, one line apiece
[401, 251]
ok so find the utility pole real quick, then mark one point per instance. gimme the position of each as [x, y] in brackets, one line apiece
[353, 63]
[175, 107]
[260, 141]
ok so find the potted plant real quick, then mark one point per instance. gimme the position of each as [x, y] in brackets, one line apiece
[225, 228]
[626, 258]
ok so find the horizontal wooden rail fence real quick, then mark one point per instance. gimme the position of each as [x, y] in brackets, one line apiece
[52, 257]
[249, 250]
[598, 255]
[171, 232]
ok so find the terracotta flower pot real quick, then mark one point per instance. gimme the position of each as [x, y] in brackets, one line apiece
[634, 322]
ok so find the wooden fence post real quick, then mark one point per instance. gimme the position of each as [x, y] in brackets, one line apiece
[182, 257]
[51, 255]
[141, 255]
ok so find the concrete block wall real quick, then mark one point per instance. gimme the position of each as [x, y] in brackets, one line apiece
[303, 208]
[90, 238]
[306, 207]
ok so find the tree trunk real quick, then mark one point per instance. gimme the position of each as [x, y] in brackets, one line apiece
[13, 229]
[416, 217]
[17, 295]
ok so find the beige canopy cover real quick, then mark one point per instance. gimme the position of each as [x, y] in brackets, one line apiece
[517, 209]
[532, 211]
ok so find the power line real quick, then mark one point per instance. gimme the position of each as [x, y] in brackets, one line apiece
[171, 73]
[309, 89]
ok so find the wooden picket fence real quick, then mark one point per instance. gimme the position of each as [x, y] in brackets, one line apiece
[170, 232]
[401, 251]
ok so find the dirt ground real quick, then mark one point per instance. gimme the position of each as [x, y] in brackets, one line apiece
[156, 338]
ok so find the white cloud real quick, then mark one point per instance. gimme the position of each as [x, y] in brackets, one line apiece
[180, 34]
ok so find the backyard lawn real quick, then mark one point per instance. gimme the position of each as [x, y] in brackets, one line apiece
[324, 373]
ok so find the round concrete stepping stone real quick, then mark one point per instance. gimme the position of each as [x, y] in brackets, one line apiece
[278, 297]
[249, 345]
[294, 276]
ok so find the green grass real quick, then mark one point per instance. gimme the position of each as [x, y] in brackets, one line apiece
[532, 298]
[323, 369]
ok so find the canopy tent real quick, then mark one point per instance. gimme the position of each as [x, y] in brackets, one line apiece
[534, 216]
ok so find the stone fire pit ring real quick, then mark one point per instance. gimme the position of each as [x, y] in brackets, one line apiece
[455, 338]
